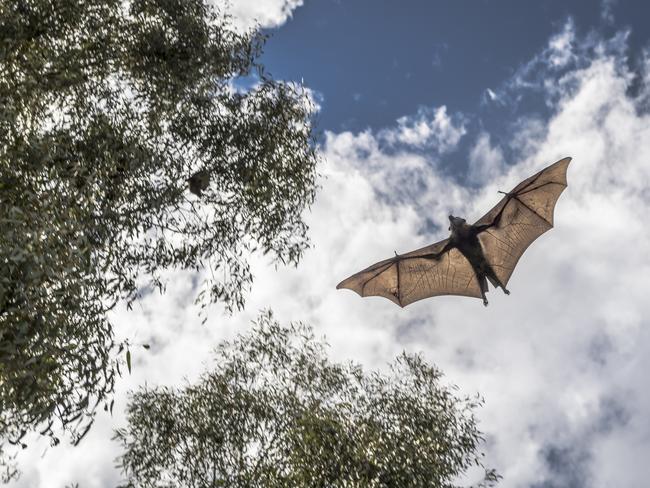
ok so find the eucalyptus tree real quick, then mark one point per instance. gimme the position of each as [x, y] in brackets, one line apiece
[135, 137]
[275, 411]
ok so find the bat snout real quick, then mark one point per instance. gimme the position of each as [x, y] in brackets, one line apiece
[456, 220]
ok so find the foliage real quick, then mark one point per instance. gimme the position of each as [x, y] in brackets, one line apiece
[107, 109]
[276, 412]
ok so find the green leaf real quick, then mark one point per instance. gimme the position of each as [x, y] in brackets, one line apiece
[128, 360]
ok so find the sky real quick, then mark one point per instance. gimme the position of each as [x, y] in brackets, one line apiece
[426, 109]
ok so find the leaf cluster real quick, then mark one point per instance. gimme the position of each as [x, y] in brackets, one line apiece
[276, 412]
[107, 108]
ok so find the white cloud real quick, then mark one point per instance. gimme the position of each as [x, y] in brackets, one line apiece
[541, 74]
[562, 362]
[607, 10]
[560, 47]
[248, 14]
[430, 127]
[486, 162]
[438, 53]
[490, 95]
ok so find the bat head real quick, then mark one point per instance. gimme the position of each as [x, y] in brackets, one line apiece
[455, 223]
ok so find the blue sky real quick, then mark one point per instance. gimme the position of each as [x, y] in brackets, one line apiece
[426, 109]
[376, 60]
[373, 61]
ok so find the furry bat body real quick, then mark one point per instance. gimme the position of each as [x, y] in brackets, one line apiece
[474, 254]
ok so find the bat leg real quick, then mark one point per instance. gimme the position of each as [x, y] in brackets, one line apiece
[484, 287]
[505, 290]
[496, 282]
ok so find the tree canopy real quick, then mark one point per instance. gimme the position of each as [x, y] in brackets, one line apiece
[111, 114]
[276, 412]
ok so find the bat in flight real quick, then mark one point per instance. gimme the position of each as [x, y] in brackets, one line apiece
[474, 254]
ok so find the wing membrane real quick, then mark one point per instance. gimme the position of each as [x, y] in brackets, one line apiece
[411, 277]
[521, 217]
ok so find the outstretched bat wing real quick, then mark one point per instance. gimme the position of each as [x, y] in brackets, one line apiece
[523, 215]
[430, 271]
